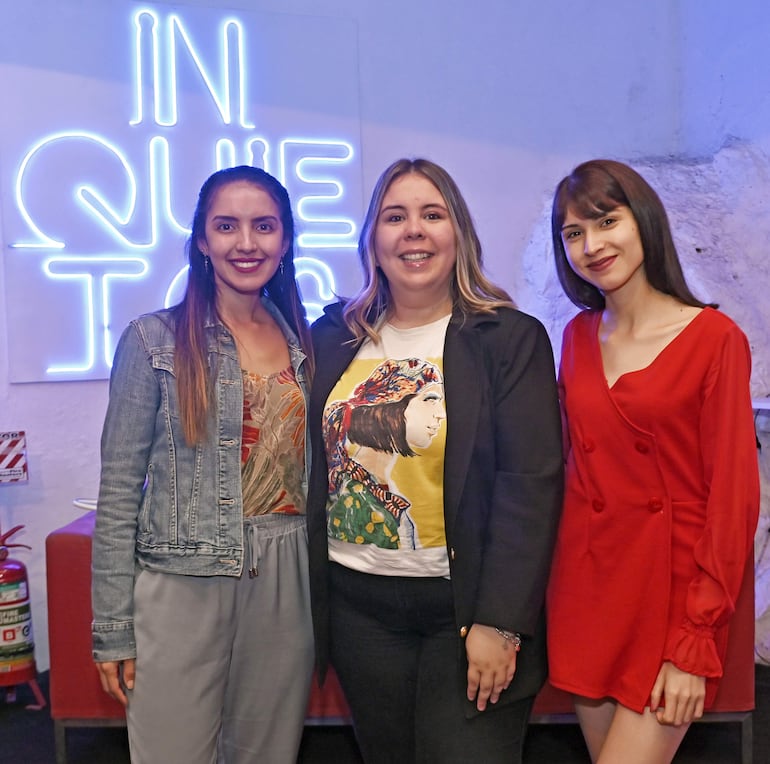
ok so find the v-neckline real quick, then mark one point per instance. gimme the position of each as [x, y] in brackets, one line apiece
[650, 365]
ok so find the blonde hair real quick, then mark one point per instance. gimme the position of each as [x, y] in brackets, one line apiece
[472, 291]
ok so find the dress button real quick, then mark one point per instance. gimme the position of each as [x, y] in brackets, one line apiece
[598, 505]
[655, 504]
[588, 446]
[464, 631]
[642, 447]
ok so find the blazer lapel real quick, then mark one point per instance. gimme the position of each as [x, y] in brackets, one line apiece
[338, 352]
[463, 363]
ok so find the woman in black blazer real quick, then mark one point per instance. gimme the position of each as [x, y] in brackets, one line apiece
[438, 640]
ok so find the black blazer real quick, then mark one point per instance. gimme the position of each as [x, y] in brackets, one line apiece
[503, 479]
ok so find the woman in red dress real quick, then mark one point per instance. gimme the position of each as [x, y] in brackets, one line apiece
[662, 487]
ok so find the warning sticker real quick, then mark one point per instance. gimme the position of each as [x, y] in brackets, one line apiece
[13, 457]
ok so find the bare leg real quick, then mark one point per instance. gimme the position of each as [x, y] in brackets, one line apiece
[615, 734]
[595, 717]
[640, 739]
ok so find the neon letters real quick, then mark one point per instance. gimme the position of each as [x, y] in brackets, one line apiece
[125, 190]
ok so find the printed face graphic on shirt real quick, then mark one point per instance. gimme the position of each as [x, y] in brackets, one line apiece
[391, 417]
[423, 416]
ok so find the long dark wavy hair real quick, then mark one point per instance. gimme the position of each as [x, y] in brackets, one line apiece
[199, 305]
[597, 187]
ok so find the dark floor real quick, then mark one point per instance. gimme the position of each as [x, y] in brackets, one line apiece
[27, 737]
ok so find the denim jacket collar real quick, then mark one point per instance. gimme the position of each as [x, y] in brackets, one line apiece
[296, 354]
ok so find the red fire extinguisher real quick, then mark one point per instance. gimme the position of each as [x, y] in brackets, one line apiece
[17, 646]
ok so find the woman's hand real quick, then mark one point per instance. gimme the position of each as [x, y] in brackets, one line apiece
[684, 695]
[115, 675]
[491, 664]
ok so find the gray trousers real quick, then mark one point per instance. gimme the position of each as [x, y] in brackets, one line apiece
[223, 665]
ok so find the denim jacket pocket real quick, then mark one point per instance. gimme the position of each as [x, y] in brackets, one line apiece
[162, 362]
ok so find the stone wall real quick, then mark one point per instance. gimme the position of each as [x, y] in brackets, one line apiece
[762, 548]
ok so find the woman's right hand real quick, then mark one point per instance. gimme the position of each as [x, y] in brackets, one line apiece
[683, 693]
[491, 664]
[115, 675]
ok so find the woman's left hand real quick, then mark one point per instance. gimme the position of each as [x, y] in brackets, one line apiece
[684, 695]
[491, 664]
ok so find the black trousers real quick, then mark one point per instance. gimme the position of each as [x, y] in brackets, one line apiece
[394, 647]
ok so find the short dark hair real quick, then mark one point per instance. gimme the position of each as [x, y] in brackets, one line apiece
[381, 426]
[593, 189]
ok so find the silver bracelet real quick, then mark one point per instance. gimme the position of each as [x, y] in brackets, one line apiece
[510, 636]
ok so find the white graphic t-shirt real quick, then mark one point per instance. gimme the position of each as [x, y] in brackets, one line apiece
[384, 431]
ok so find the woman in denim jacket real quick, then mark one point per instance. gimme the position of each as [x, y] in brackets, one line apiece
[200, 595]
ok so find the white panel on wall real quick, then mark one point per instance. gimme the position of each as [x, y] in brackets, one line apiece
[112, 137]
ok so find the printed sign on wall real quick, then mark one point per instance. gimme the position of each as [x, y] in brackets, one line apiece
[13, 457]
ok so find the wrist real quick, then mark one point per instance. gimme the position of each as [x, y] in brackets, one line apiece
[510, 636]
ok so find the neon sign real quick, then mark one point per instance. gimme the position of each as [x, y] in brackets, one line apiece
[175, 30]
[105, 256]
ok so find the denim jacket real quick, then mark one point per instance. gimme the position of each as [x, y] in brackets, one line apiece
[164, 505]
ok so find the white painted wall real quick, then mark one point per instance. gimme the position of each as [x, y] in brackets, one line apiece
[508, 95]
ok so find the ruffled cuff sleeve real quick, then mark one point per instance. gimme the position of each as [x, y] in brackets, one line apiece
[691, 648]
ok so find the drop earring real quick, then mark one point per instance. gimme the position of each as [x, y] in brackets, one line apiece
[207, 264]
[280, 267]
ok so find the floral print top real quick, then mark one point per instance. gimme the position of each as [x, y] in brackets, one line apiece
[273, 444]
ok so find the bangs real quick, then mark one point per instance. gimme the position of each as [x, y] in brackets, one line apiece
[589, 194]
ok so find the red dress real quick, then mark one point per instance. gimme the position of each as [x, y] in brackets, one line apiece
[661, 505]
